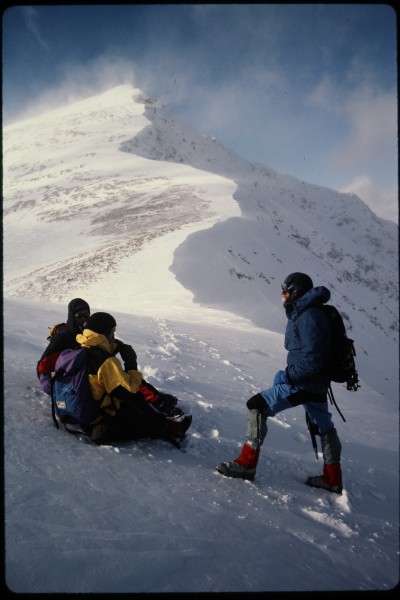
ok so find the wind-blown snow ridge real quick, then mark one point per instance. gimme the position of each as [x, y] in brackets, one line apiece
[100, 189]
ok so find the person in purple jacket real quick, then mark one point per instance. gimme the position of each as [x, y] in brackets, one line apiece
[303, 381]
[64, 338]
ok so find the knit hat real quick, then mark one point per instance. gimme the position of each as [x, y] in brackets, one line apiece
[101, 322]
[297, 284]
[75, 307]
[78, 305]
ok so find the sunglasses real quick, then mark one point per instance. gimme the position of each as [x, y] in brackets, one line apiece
[81, 315]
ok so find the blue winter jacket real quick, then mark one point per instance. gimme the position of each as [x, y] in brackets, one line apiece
[308, 341]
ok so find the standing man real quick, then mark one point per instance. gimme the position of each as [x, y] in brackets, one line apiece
[308, 342]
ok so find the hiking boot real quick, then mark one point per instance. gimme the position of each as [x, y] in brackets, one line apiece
[233, 469]
[244, 466]
[317, 481]
[331, 479]
[177, 429]
[104, 433]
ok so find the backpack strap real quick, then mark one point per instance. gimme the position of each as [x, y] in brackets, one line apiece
[333, 401]
[53, 412]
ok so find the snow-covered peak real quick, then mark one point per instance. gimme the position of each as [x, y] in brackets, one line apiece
[119, 202]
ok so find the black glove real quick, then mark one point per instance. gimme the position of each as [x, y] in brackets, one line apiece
[167, 404]
[257, 402]
[127, 354]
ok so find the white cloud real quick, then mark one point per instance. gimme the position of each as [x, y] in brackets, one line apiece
[381, 202]
[324, 96]
[367, 153]
[373, 130]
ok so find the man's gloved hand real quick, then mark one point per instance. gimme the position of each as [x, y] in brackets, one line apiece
[280, 377]
[257, 402]
[127, 354]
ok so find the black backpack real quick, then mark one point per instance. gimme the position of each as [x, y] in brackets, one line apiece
[341, 368]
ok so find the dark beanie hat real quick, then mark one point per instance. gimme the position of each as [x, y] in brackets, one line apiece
[101, 322]
[297, 284]
[78, 305]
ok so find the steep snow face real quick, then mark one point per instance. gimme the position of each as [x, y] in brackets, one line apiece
[335, 236]
[82, 205]
[144, 517]
[286, 225]
[109, 189]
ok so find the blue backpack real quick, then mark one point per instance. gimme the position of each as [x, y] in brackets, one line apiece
[72, 400]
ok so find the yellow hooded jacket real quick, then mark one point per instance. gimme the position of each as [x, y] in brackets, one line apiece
[110, 374]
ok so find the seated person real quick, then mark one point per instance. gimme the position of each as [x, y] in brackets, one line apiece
[63, 337]
[125, 413]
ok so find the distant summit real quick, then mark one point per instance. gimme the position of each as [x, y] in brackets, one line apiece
[89, 187]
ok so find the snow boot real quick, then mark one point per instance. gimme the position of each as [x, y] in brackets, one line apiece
[244, 466]
[331, 479]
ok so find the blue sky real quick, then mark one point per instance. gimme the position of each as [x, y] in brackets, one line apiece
[306, 89]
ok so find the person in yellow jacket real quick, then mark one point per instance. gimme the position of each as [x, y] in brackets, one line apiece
[125, 414]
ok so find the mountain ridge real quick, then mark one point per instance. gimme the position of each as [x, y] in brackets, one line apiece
[96, 184]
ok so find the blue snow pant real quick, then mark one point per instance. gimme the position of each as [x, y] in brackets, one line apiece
[281, 397]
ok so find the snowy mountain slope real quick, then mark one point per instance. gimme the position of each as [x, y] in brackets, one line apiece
[65, 168]
[145, 517]
[91, 211]
[119, 181]
[336, 233]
